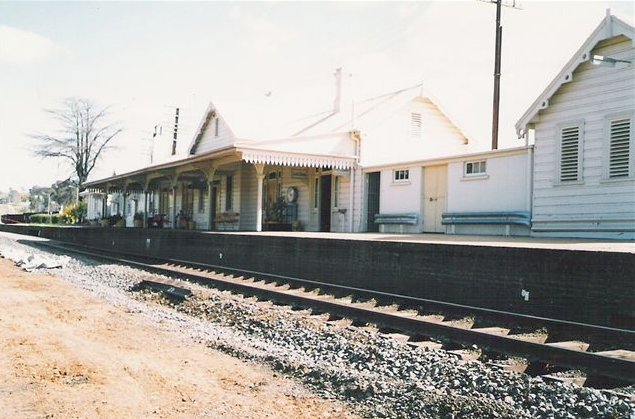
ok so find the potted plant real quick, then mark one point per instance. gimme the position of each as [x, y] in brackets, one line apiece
[116, 220]
[138, 219]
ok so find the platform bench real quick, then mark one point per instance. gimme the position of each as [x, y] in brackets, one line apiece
[400, 220]
[506, 218]
[227, 220]
[498, 217]
[408, 219]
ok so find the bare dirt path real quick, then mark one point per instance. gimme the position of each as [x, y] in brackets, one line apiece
[66, 354]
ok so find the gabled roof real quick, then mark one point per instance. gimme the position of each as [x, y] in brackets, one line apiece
[610, 27]
[269, 118]
[362, 113]
[257, 119]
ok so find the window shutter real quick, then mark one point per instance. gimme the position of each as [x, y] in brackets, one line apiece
[619, 152]
[415, 125]
[569, 154]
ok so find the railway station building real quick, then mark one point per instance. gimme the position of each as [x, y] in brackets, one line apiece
[398, 163]
[248, 170]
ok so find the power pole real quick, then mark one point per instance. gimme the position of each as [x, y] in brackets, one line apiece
[158, 131]
[176, 130]
[497, 66]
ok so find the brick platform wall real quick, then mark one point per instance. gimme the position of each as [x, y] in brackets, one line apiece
[585, 286]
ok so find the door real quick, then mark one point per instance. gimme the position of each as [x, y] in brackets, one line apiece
[325, 203]
[435, 186]
[372, 203]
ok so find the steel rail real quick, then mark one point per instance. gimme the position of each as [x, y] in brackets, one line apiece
[614, 367]
[501, 314]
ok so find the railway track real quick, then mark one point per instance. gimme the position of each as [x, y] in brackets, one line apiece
[559, 350]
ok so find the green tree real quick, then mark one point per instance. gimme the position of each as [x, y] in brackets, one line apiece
[39, 198]
[14, 196]
[64, 192]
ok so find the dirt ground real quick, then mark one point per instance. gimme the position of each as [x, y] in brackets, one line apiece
[66, 354]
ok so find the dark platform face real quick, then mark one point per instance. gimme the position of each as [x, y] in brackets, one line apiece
[585, 286]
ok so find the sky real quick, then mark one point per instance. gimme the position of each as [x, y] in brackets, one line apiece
[144, 59]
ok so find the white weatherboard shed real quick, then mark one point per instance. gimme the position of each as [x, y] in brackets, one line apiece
[485, 193]
[584, 168]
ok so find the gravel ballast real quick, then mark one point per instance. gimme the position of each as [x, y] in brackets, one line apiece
[378, 375]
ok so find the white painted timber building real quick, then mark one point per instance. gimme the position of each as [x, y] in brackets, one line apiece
[476, 193]
[584, 169]
[249, 170]
[396, 163]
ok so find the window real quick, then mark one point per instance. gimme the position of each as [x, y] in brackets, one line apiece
[164, 201]
[570, 154]
[201, 200]
[474, 168]
[216, 127]
[336, 192]
[229, 187]
[619, 148]
[401, 175]
[415, 125]
[187, 200]
[316, 192]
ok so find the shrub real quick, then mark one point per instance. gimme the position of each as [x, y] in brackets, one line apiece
[75, 213]
[40, 218]
[81, 210]
[67, 215]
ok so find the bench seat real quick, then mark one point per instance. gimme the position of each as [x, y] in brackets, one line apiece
[409, 219]
[489, 217]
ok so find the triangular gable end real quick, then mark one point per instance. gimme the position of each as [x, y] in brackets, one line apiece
[445, 116]
[202, 138]
[610, 27]
[356, 115]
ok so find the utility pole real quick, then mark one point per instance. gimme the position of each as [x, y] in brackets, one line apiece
[158, 131]
[497, 66]
[176, 130]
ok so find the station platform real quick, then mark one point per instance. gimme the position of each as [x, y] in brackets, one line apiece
[588, 281]
[591, 245]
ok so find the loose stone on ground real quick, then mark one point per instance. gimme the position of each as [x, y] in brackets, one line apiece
[375, 375]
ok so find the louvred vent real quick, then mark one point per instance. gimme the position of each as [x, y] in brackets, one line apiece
[415, 125]
[569, 154]
[619, 153]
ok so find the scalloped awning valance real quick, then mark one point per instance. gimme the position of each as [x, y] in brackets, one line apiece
[282, 159]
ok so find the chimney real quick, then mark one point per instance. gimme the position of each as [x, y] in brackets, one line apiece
[338, 90]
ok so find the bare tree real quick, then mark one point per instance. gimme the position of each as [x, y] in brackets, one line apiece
[83, 135]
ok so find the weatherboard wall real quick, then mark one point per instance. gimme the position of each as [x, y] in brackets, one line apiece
[211, 141]
[594, 205]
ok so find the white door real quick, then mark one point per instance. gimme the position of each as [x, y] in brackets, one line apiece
[435, 186]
